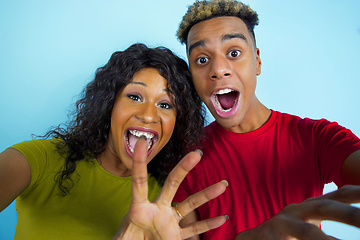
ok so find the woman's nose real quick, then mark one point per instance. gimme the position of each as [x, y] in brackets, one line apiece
[148, 113]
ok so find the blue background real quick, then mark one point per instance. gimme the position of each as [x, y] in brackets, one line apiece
[50, 49]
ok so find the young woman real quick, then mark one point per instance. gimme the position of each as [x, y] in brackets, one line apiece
[81, 180]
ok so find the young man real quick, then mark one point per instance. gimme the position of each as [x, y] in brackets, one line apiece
[270, 159]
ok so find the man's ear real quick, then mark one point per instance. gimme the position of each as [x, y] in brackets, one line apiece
[258, 62]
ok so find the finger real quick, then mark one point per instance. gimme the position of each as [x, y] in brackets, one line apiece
[293, 219]
[304, 231]
[176, 176]
[284, 227]
[139, 172]
[199, 198]
[326, 209]
[332, 238]
[202, 226]
[347, 194]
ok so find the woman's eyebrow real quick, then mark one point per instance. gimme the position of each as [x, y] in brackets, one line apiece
[145, 85]
[139, 83]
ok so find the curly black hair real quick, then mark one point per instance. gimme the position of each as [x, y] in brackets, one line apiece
[203, 10]
[85, 135]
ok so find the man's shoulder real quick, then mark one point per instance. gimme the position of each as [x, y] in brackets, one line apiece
[291, 118]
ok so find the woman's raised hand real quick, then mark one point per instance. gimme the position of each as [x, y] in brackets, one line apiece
[158, 219]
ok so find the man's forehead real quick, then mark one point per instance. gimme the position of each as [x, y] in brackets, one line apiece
[220, 28]
[223, 38]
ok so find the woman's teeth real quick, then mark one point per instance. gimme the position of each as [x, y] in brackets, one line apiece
[140, 133]
[134, 135]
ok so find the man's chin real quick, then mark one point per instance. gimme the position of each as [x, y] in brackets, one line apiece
[227, 123]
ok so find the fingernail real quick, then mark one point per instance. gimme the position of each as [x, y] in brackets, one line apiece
[143, 136]
[226, 182]
[226, 217]
[199, 151]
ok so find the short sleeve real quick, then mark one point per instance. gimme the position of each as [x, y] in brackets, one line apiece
[334, 144]
[43, 159]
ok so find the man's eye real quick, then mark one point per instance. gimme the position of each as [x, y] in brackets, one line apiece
[165, 105]
[202, 60]
[234, 53]
[134, 97]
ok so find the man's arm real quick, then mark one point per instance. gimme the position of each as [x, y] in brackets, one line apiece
[296, 220]
[350, 172]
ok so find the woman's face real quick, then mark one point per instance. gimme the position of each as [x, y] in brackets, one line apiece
[143, 107]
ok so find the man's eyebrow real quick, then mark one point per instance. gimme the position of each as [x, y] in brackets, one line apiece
[200, 43]
[234, 35]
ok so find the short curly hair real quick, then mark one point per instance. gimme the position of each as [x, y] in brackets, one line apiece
[203, 10]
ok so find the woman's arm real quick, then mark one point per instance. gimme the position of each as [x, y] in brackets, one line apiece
[15, 176]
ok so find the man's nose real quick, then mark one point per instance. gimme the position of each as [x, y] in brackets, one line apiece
[220, 67]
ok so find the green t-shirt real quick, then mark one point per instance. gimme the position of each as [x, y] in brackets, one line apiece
[93, 209]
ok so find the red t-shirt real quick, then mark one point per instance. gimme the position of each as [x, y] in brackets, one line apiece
[287, 160]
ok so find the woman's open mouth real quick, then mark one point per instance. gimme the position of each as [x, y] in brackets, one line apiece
[133, 135]
[225, 102]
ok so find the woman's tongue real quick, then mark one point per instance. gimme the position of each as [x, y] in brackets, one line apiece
[133, 139]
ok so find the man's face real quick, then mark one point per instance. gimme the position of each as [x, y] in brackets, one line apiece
[224, 64]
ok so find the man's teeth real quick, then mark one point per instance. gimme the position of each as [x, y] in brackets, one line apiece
[138, 134]
[224, 91]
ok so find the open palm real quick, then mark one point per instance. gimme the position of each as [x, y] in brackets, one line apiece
[159, 220]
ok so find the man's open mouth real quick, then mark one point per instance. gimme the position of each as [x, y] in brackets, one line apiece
[132, 136]
[225, 100]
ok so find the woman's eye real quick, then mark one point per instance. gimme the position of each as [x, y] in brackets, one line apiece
[134, 97]
[202, 60]
[165, 105]
[234, 53]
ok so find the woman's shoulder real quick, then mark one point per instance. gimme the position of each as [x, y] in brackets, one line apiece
[43, 157]
[38, 145]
